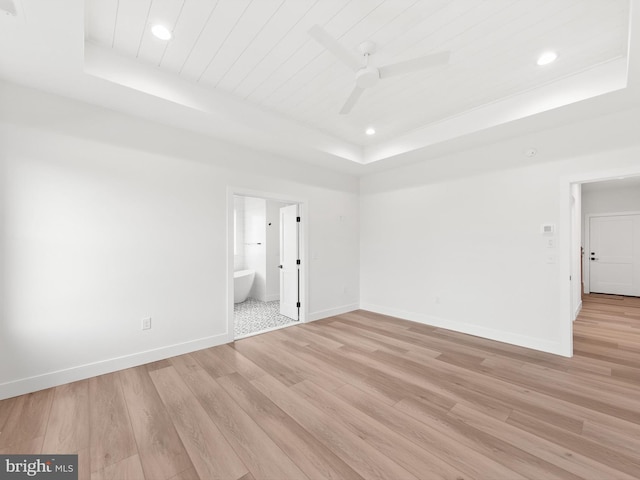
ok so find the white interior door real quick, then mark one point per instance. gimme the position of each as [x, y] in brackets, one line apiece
[289, 268]
[614, 254]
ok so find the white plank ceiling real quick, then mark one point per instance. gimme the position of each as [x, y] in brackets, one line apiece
[260, 51]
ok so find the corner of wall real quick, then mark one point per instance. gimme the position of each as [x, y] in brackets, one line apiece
[313, 316]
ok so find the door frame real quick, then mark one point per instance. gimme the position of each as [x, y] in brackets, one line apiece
[302, 245]
[565, 242]
[282, 255]
[587, 242]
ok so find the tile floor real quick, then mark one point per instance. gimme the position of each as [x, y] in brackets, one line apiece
[253, 316]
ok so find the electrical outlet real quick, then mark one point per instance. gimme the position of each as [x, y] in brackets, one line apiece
[146, 323]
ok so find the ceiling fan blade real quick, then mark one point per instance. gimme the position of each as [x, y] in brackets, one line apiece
[351, 101]
[413, 65]
[321, 36]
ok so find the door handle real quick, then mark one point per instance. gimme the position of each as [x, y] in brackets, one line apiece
[279, 266]
[594, 258]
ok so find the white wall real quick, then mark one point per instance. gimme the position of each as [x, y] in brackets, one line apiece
[255, 244]
[464, 250]
[609, 197]
[238, 256]
[107, 219]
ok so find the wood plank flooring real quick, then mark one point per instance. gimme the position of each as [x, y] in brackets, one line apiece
[358, 395]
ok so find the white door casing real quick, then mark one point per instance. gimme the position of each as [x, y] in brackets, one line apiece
[289, 268]
[614, 254]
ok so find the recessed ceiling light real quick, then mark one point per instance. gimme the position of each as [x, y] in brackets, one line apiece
[370, 131]
[161, 32]
[546, 58]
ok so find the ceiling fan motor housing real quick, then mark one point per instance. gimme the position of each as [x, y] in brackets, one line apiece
[367, 77]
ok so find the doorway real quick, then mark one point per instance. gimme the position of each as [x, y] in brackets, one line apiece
[267, 279]
[615, 193]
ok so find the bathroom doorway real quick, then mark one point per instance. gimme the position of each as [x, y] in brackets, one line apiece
[266, 283]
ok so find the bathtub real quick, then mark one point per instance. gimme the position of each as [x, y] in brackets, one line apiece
[242, 282]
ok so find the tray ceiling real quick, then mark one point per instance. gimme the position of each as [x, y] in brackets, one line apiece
[260, 52]
[248, 71]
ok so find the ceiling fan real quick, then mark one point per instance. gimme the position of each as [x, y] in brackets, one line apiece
[367, 75]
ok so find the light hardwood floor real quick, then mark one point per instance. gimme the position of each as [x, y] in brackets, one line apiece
[359, 395]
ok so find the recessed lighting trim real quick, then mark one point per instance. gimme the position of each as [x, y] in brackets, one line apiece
[546, 58]
[370, 131]
[161, 32]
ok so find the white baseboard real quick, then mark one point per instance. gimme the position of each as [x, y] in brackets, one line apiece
[60, 377]
[577, 312]
[489, 333]
[313, 316]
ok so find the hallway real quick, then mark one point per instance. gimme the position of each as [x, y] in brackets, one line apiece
[608, 329]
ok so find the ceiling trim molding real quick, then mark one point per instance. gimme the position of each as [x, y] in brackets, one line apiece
[602, 79]
[223, 111]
